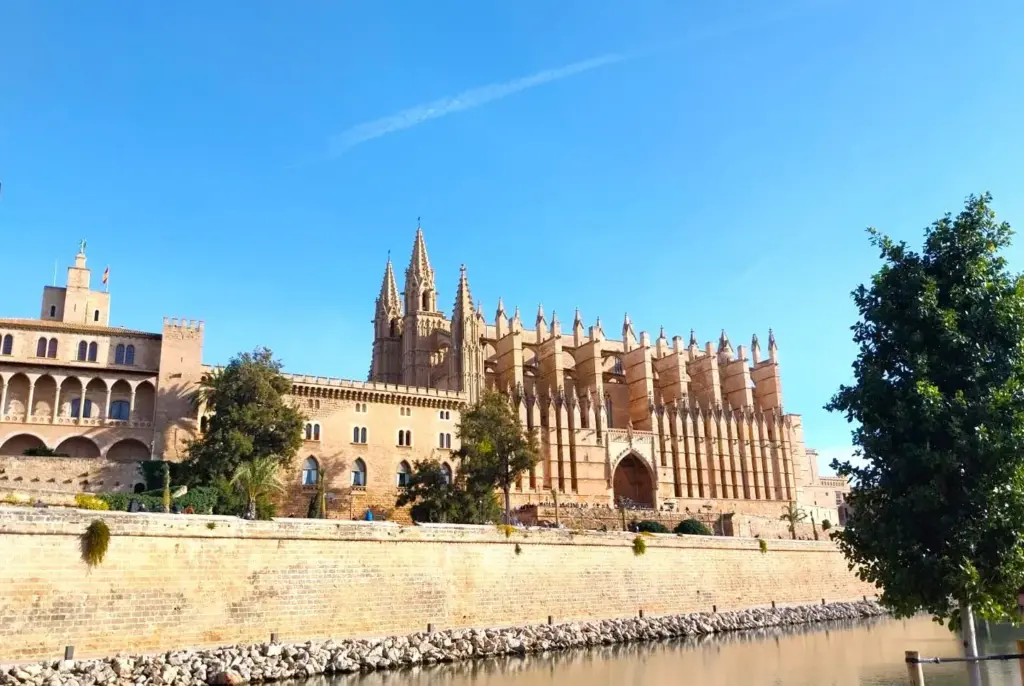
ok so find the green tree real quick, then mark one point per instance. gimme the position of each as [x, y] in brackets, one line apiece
[938, 405]
[250, 417]
[166, 495]
[793, 514]
[496, 450]
[256, 479]
[439, 497]
[693, 527]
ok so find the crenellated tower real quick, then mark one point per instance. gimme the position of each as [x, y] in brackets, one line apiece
[386, 365]
[467, 361]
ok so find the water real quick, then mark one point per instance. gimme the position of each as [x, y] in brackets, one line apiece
[857, 653]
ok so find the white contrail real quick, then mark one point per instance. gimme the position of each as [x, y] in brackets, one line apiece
[466, 100]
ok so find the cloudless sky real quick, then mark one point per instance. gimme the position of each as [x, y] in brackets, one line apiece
[718, 172]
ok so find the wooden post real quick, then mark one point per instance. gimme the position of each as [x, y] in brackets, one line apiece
[914, 669]
[1020, 662]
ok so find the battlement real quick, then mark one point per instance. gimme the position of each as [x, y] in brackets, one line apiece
[378, 386]
[185, 324]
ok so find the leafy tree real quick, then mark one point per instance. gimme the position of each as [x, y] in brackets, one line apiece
[318, 503]
[496, 450]
[692, 527]
[826, 525]
[938, 405]
[166, 494]
[438, 499]
[250, 419]
[793, 514]
[255, 479]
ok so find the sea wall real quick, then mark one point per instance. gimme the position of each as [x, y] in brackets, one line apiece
[175, 581]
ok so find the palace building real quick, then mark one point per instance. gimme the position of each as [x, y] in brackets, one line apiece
[658, 424]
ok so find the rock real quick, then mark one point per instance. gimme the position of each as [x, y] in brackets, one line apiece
[227, 678]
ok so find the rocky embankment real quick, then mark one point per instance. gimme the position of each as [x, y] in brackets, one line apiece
[276, 661]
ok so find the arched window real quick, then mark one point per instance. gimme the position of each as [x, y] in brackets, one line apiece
[96, 316]
[120, 409]
[448, 441]
[440, 440]
[309, 432]
[362, 435]
[8, 347]
[41, 348]
[403, 474]
[51, 350]
[93, 349]
[83, 351]
[53, 310]
[617, 367]
[446, 472]
[310, 468]
[359, 473]
[608, 410]
[316, 432]
[426, 300]
[393, 328]
[129, 355]
[408, 438]
[119, 354]
[401, 437]
[76, 405]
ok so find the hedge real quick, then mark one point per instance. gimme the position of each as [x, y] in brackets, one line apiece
[202, 499]
[693, 527]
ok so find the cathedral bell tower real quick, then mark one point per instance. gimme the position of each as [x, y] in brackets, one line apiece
[421, 318]
[467, 359]
[386, 365]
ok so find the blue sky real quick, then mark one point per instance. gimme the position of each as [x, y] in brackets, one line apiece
[251, 164]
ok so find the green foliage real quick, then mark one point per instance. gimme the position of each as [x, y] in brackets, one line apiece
[496, 450]
[826, 525]
[793, 514]
[166, 495]
[88, 501]
[937, 495]
[255, 479]
[692, 527]
[435, 499]
[231, 501]
[153, 473]
[318, 503]
[250, 418]
[43, 452]
[211, 525]
[202, 499]
[649, 527]
[639, 546]
[94, 542]
[763, 545]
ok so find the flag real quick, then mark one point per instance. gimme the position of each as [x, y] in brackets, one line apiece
[106, 275]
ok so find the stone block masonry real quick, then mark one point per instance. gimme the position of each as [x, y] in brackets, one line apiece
[175, 581]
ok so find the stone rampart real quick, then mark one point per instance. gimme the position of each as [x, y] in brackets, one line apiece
[174, 581]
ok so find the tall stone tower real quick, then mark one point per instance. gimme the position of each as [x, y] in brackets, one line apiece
[419, 347]
[76, 303]
[386, 365]
[467, 357]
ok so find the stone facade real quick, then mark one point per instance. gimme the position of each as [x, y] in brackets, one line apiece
[169, 581]
[656, 424]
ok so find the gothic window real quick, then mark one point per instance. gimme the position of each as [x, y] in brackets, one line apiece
[8, 346]
[310, 468]
[608, 410]
[119, 354]
[53, 310]
[120, 409]
[440, 440]
[51, 349]
[617, 367]
[41, 348]
[316, 432]
[394, 327]
[359, 473]
[309, 432]
[83, 351]
[446, 472]
[448, 441]
[403, 474]
[445, 415]
[129, 355]
[93, 349]
[359, 434]
[76, 405]
[426, 300]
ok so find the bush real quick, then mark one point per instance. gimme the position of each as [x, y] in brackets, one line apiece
[94, 542]
[692, 527]
[87, 501]
[825, 525]
[43, 452]
[647, 526]
[202, 499]
[763, 544]
[639, 546]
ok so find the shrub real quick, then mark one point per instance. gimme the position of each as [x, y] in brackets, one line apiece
[87, 501]
[763, 544]
[202, 499]
[639, 546]
[506, 529]
[825, 525]
[14, 499]
[43, 452]
[692, 527]
[94, 542]
[650, 527]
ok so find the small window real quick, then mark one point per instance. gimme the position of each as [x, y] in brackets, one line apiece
[359, 434]
[440, 440]
[361, 407]
[309, 432]
[53, 310]
[359, 473]
[448, 441]
[96, 316]
[316, 432]
[119, 354]
[76, 405]
[8, 346]
[41, 348]
[446, 473]
[309, 402]
[51, 350]
[445, 415]
[316, 404]
[403, 474]
[401, 437]
[129, 355]
[608, 411]
[93, 350]
[83, 351]
[120, 409]
[617, 367]
[362, 435]
[310, 470]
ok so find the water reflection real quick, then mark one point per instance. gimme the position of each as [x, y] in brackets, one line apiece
[845, 653]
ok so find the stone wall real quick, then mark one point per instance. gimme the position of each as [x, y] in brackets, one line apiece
[68, 475]
[189, 580]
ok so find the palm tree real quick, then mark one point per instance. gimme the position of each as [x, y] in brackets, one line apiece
[255, 479]
[794, 515]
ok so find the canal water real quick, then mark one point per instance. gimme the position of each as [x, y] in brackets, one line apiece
[856, 653]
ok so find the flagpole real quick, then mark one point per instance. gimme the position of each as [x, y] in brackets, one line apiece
[55, 273]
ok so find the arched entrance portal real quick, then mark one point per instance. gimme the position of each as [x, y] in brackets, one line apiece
[632, 481]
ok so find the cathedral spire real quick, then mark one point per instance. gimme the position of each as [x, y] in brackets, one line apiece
[542, 324]
[724, 346]
[420, 293]
[628, 335]
[388, 301]
[517, 321]
[463, 298]
[500, 319]
[755, 349]
[577, 329]
[556, 326]
[773, 349]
